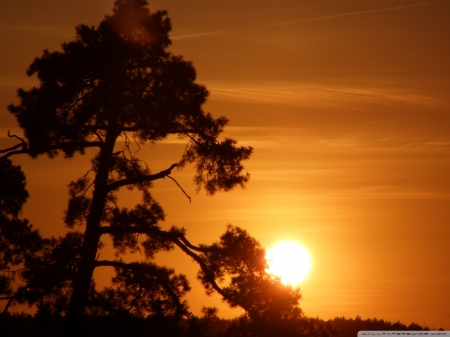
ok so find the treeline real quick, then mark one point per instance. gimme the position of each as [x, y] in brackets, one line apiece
[346, 327]
[25, 325]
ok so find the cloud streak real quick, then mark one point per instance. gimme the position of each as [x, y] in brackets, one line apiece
[313, 95]
[319, 18]
[327, 17]
[368, 141]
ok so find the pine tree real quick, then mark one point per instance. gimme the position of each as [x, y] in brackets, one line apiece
[118, 81]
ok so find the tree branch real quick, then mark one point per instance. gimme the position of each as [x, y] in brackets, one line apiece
[177, 238]
[162, 282]
[181, 188]
[13, 149]
[172, 132]
[12, 298]
[10, 151]
[203, 266]
[23, 144]
[8, 304]
[19, 138]
[171, 236]
[141, 179]
[9, 154]
[98, 136]
[108, 263]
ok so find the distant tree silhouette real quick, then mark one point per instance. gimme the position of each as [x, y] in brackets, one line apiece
[346, 327]
[19, 242]
[290, 327]
[118, 80]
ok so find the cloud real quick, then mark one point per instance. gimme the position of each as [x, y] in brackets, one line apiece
[194, 35]
[313, 95]
[318, 18]
[297, 140]
[327, 17]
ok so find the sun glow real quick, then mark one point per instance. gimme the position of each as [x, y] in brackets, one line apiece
[288, 260]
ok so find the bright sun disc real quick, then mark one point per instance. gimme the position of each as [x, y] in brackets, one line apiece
[288, 260]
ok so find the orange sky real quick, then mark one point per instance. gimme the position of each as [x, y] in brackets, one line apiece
[347, 104]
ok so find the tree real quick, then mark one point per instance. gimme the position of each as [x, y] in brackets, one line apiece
[118, 80]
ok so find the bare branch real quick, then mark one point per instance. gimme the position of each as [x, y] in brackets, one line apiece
[23, 144]
[9, 154]
[192, 139]
[181, 188]
[19, 138]
[141, 179]
[109, 198]
[127, 144]
[203, 266]
[13, 149]
[190, 245]
[98, 136]
[8, 304]
[136, 142]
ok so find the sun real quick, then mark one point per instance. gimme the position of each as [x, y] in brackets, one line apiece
[288, 260]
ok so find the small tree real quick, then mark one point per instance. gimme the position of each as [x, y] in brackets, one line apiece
[119, 80]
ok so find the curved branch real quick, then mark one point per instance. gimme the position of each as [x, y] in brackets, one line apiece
[203, 266]
[13, 149]
[176, 238]
[190, 245]
[23, 142]
[181, 188]
[141, 179]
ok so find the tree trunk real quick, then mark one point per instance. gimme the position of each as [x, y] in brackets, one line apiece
[92, 235]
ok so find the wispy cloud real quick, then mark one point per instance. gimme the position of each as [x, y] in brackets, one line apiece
[309, 94]
[327, 17]
[318, 18]
[194, 35]
[295, 140]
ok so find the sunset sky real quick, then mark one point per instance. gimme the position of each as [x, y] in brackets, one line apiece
[347, 106]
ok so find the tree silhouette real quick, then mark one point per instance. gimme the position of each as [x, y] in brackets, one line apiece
[118, 81]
